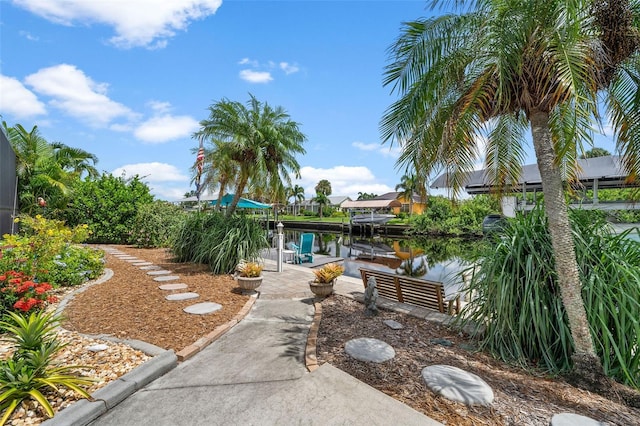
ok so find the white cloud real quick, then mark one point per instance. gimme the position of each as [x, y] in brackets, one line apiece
[247, 61]
[18, 101]
[385, 150]
[28, 36]
[163, 128]
[288, 68]
[77, 95]
[152, 172]
[345, 180]
[256, 76]
[160, 107]
[136, 23]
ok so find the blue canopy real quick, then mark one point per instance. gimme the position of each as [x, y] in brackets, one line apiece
[244, 203]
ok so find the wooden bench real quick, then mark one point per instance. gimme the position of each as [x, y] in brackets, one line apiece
[414, 291]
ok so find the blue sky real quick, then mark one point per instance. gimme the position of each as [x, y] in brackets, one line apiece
[129, 80]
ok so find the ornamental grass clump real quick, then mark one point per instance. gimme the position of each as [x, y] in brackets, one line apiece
[518, 299]
[328, 273]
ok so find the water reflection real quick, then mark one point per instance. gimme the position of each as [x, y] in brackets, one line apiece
[431, 258]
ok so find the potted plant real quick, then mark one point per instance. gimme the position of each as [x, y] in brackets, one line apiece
[326, 276]
[249, 275]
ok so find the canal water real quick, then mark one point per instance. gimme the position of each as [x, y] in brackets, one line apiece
[429, 258]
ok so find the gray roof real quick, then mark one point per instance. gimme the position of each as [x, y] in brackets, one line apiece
[607, 170]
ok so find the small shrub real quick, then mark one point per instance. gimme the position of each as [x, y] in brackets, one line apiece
[73, 266]
[31, 370]
[20, 292]
[250, 269]
[328, 272]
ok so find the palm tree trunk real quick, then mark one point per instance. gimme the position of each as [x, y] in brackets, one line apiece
[242, 183]
[587, 365]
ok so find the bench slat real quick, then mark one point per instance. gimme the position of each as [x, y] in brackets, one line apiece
[428, 294]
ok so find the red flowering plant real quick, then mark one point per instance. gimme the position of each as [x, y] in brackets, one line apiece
[20, 293]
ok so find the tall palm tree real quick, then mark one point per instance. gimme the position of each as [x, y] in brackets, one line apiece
[501, 67]
[322, 201]
[297, 192]
[75, 160]
[408, 186]
[323, 187]
[260, 140]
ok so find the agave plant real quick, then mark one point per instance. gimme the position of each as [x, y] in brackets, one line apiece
[30, 370]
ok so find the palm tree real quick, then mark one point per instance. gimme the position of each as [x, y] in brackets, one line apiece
[260, 140]
[46, 170]
[322, 200]
[408, 187]
[502, 67]
[595, 152]
[297, 192]
[323, 187]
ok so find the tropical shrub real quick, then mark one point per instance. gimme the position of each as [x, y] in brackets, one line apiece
[517, 297]
[45, 250]
[31, 370]
[444, 217]
[156, 224]
[73, 266]
[19, 292]
[249, 269]
[109, 206]
[328, 273]
[218, 241]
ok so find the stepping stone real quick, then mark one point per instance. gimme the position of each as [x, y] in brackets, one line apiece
[124, 256]
[457, 385]
[202, 308]
[167, 278]
[133, 260]
[98, 348]
[369, 350]
[441, 341]
[570, 419]
[142, 263]
[150, 267]
[176, 286]
[182, 296]
[395, 325]
[159, 272]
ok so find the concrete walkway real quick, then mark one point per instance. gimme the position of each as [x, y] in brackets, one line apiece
[255, 373]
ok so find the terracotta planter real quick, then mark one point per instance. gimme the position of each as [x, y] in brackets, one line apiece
[321, 289]
[249, 283]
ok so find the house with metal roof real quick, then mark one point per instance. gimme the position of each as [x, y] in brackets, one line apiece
[593, 174]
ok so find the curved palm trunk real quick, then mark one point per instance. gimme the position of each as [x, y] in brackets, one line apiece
[242, 183]
[586, 362]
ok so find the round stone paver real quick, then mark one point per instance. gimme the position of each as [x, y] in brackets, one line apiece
[202, 308]
[159, 272]
[457, 385]
[570, 419]
[182, 296]
[176, 286]
[166, 278]
[369, 350]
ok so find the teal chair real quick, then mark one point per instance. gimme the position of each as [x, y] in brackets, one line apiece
[304, 250]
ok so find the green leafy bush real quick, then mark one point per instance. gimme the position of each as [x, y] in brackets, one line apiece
[218, 241]
[156, 224]
[444, 217]
[73, 266]
[109, 206]
[31, 370]
[518, 299]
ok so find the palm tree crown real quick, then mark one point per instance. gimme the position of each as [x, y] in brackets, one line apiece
[259, 140]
